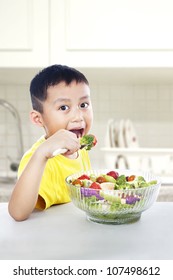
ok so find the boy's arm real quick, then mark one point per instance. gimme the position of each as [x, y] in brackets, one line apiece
[25, 193]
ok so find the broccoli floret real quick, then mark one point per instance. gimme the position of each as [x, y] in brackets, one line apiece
[121, 180]
[88, 141]
[143, 184]
[121, 183]
[141, 179]
[140, 182]
[154, 182]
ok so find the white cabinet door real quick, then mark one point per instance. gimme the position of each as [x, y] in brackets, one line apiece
[112, 32]
[24, 26]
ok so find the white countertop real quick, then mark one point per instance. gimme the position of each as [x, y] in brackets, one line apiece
[63, 232]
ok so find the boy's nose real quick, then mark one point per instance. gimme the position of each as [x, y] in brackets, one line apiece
[77, 115]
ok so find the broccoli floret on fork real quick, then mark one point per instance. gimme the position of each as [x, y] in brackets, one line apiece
[88, 141]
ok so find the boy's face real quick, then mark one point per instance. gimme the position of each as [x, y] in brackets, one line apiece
[68, 107]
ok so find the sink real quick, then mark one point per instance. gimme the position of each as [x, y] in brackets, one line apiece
[7, 180]
[6, 187]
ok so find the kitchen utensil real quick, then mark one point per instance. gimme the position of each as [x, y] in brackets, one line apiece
[59, 151]
[121, 140]
[108, 134]
[130, 136]
[63, 150]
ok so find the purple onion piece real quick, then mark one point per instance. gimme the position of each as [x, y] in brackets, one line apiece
[87, 192]
[132, 199]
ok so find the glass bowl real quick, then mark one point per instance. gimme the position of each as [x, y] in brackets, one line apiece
[113, 206]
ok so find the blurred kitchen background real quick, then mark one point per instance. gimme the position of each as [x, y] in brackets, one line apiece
[125, 51]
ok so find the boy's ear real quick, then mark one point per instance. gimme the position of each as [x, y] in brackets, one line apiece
[36, 118]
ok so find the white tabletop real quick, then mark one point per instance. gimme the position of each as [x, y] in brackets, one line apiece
[63, 232]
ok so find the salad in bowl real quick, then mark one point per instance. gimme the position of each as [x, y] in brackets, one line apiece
[113, 196]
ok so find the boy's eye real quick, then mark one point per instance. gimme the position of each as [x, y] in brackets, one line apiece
[84, 105]
[64, 107]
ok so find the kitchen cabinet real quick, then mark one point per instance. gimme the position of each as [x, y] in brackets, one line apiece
[112, 33]
[24, 26]
[87, 33]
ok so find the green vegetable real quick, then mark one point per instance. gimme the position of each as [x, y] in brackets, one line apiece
[109, 178]
[139, 182]
[109, 197]
[121, 180]
[93, 177]
[88, 141]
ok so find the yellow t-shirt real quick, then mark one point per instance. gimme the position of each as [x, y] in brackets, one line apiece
[53, 188]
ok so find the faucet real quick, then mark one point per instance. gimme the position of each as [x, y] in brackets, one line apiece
[119, 157]
[15, 114]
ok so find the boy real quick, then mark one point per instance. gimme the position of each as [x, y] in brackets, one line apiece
[61, 103]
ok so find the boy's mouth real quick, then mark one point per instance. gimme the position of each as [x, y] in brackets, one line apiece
[79, 132]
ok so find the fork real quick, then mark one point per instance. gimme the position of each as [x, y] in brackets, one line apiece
[63, 150]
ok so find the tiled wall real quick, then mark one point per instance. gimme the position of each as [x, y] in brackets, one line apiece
[149, 107]
[18, 96]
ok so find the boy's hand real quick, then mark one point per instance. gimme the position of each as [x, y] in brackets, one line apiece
[62, 139]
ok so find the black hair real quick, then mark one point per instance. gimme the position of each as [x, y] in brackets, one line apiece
[50, 76]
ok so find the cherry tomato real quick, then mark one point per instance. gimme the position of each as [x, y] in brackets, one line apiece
[77, 182]
[95, 186]
[84, 176]
[131, 178]
[100, 179]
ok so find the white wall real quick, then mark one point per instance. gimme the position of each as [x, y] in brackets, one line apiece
[150, 107]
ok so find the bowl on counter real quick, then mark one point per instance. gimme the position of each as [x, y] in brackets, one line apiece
[116, 199]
